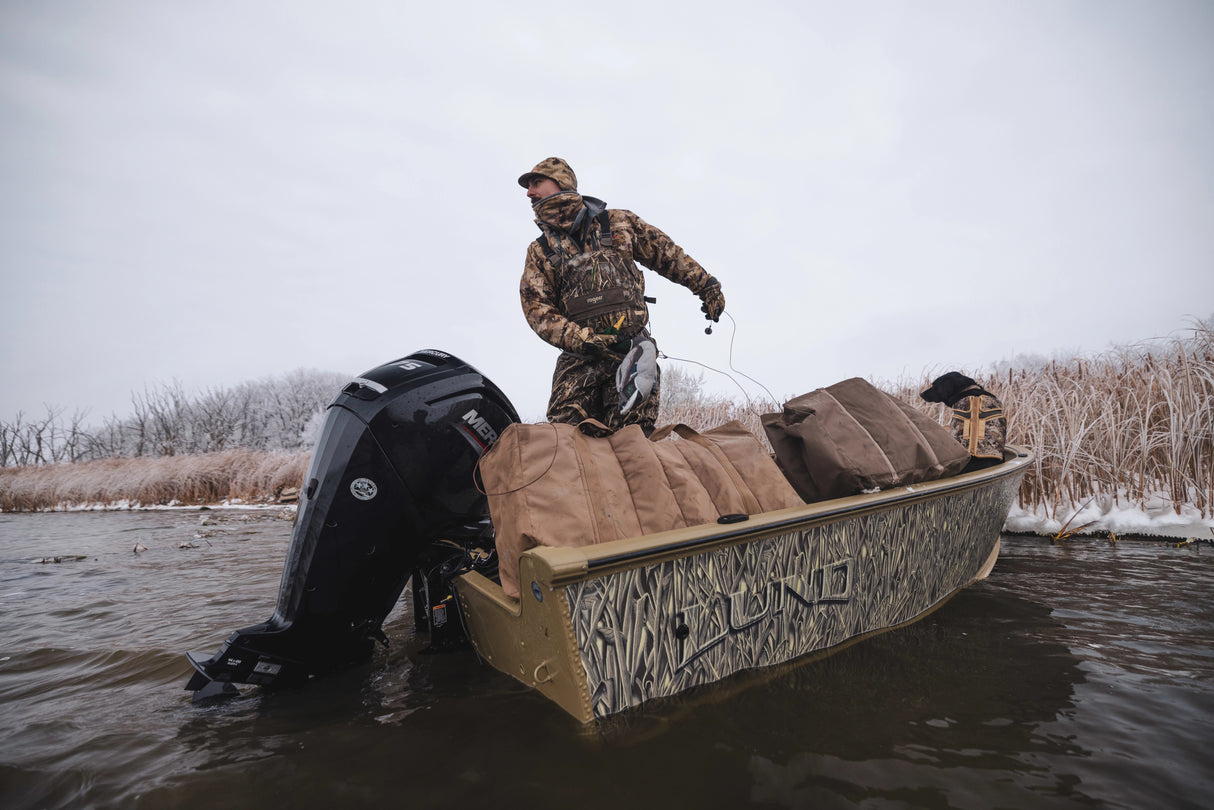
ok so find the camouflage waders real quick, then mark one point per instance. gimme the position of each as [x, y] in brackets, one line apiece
[584, 388]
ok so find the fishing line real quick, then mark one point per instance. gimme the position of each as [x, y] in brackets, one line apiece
[732, 337]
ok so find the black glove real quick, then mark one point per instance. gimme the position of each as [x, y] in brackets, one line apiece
[714, 300]
[598, 345]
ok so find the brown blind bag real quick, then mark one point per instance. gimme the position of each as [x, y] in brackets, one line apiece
[852, 436]
[554, 484]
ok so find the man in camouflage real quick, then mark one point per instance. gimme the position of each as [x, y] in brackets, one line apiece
[582, 292]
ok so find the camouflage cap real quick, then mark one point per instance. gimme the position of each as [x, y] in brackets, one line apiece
[556, 170]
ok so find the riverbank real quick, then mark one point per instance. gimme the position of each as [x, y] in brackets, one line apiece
[1101, 519]
[248, 479]
[245, 476]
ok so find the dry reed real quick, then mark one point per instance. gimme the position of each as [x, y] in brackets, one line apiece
[246, 475]
[684, 402]
[1135, 424]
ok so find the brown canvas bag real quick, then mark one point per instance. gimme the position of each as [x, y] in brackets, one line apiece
[555, 484]
[852, 436]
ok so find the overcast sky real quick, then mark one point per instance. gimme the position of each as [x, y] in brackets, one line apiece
[219, 192]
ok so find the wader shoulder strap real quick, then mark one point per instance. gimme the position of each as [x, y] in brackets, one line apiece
[604, 229]
[604, 236]
[605, 240]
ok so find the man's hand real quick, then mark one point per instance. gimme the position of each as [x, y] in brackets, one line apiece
[597, 345]
[714, 300]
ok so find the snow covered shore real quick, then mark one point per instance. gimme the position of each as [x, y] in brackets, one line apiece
[1100, 515]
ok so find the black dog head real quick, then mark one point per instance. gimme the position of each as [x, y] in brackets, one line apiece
[948, 388]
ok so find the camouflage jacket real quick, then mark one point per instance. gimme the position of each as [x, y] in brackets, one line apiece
[583, 282]
[980, 426]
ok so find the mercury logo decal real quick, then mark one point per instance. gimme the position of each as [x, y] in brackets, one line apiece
[478, 429]
[363, 488]
[699, 628]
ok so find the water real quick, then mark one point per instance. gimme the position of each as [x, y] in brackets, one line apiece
[1078, 675]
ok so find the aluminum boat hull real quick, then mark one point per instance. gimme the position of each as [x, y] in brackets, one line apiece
[604, 628]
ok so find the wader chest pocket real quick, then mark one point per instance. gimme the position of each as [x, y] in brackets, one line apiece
[590, 305]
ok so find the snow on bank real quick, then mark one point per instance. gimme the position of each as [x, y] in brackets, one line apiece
[1101, 514]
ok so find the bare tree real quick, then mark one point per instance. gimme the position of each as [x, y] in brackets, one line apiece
[270, 414]
[45, 440]
[9, 431]
[69, 441]
[216, 419]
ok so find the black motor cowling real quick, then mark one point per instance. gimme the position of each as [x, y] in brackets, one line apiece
[391, 473]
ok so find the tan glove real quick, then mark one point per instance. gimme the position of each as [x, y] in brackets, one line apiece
[714, 300]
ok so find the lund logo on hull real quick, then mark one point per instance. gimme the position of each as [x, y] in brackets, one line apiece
[731, 614]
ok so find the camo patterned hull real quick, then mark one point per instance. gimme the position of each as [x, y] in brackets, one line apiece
[642, 621]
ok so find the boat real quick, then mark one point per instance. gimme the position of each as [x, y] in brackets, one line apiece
[390, 499]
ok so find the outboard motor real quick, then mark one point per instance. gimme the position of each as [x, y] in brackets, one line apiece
[389, 493]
